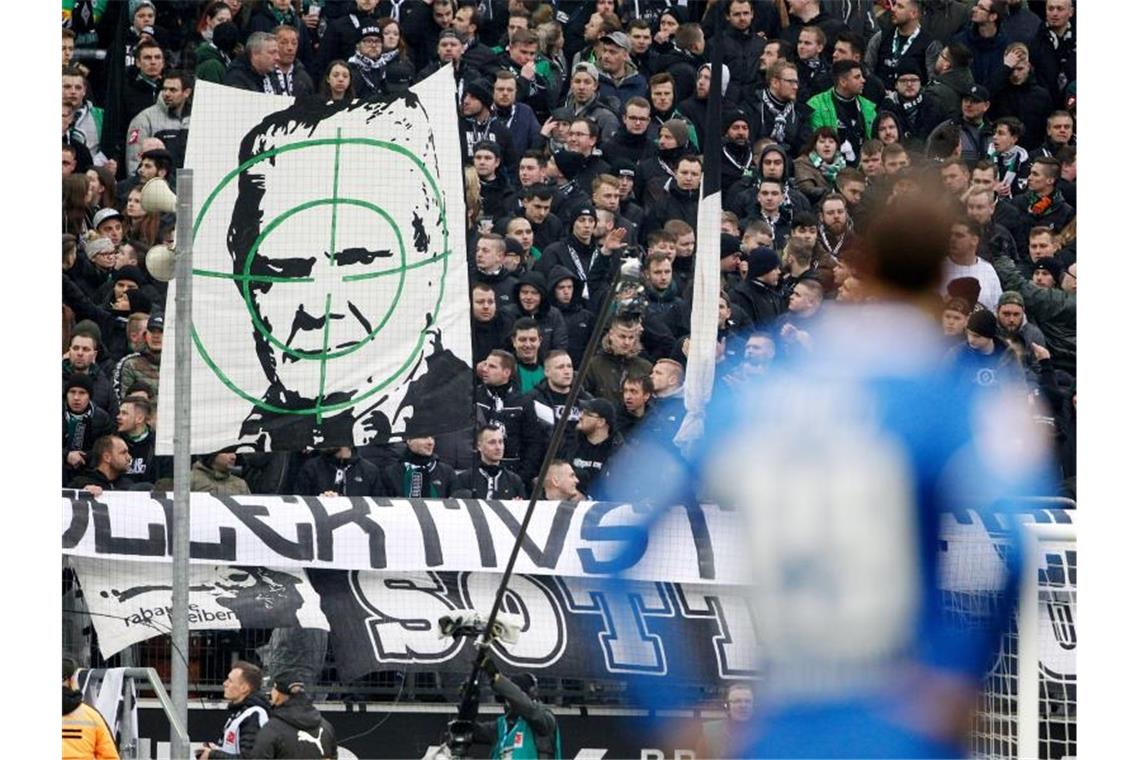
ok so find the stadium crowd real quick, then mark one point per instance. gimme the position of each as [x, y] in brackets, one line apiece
[582, 126]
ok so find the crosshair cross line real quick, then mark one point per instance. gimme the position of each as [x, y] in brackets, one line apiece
[319, 405]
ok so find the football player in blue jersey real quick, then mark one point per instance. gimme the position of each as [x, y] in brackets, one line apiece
[840, 464]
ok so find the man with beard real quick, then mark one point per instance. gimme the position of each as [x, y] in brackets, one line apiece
[168, 120]
[584, 99]
[108, 473]
[131, 426]
[419, 474]
[737, 148]
[341, 34]
[520, 120]
[836, 237]
[916, 113]
[905, 39]
[479, 125]
[594, 441]
[248, 714]
[631, 141]
[775, 110]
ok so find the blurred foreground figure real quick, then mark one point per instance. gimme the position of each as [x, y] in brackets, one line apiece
[840, 464]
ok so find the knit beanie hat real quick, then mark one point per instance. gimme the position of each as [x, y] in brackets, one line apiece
[89, 328]
[569, 163]
[79, 380]
[729, 244]
[982, 323]
[480, 89]
[1052, 266]
[761, 261]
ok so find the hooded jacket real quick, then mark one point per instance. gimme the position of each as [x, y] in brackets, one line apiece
[988, 51]
[243, 724]
[295, 730]
[210, 63]
[550, 324]
[502, 406]
[632, 84]
[577, 318]
[742, 195]
[86, 734]
[676, 204]
[947, 90]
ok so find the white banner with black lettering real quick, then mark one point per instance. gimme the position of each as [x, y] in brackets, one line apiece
[382, 572]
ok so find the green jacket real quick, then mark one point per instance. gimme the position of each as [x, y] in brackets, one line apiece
[211, 67]
[823, 112]
[1054, 310]
[208, 480]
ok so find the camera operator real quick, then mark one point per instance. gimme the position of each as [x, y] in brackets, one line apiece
[527, 729]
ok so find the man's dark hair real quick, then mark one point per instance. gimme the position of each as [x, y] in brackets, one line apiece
[785, 49]
[960, 56]
[536, 153]
[843, 68]
[71, 70]
[506, 357]
[905, 249]
[476, 15]
[139, 386]
[591, 125]
[525, 323]
[251, 674]
[848, 174]
[640, 379]
[1013, 124]
[69, 667]
[831, 197]
[484, 428]
[542, 192]
[965, 221]
[660, 236]
[185, 78]
[1066, 154]
[687, 35]
[956, 162]
[103, 445]
[639, 23]
[145, 43]
[663, 77]
[853, 39]
[804, 219]
[943, 141]
[985, 165]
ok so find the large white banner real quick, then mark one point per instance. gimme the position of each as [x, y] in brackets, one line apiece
[330, 286]
[131, 603]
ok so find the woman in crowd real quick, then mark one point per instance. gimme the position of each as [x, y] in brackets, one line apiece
[820, 162]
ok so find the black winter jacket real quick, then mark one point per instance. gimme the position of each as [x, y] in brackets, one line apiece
[295, 730]
[319, 474]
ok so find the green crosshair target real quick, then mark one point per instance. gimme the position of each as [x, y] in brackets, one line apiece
[247, 277]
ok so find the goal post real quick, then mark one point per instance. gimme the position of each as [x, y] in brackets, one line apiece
[1046, 613]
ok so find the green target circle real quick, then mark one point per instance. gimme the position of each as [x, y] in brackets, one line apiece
[442, 257]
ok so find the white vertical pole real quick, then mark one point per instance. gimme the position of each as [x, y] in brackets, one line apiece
[179, 618]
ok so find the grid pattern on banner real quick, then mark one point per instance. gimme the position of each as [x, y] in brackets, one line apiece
[328, 264]
[996, 729]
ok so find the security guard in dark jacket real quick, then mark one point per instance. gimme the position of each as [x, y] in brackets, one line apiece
[295, 728]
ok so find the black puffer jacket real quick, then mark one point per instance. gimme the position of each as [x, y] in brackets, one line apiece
[295, 729]
[319, 474]
[550, 324]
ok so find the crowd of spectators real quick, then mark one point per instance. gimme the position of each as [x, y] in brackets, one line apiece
[581, 127]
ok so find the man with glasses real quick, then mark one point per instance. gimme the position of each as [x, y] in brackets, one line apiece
[915, 113]
[632, 139]
[774, 112]
[583, 137]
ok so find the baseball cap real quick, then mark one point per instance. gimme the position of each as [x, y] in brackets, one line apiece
[104, 214]
[369, 30]
[587, 67]
[155, 323]
[1052, 266]
[976, 92]
[621, 39]
[1011, 296]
